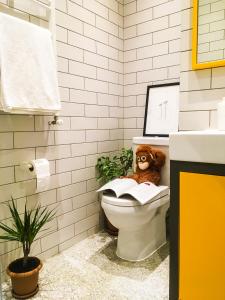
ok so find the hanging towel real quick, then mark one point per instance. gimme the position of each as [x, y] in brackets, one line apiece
[28, 68]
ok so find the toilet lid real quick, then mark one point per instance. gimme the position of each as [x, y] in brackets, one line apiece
[127, 200]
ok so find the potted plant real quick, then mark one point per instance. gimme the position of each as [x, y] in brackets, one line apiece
[110, 168]
[117, 166]
[25, 270]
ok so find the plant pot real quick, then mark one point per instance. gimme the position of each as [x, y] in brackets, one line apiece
[24, 283]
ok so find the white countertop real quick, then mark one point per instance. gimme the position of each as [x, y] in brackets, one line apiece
[151, 140]
[198, 146]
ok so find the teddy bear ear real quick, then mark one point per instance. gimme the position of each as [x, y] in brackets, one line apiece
[159, 158]
[144, 148]
[151, 155]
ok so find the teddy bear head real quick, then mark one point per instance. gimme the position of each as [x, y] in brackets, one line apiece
[148, 157]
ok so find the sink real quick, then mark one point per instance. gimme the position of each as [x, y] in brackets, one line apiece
[207, 146]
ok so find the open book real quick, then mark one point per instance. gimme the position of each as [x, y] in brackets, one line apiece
[143, 192]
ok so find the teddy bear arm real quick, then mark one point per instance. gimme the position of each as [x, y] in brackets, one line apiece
[151, 177]
[134, 176]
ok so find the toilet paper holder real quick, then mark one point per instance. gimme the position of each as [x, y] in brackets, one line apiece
[27, 166]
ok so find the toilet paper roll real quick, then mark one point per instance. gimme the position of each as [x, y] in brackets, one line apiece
[42, 171]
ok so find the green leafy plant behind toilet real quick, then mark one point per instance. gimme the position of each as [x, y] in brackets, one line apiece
[119, 165]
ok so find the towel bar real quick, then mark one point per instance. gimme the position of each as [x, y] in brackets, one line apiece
[56, 121]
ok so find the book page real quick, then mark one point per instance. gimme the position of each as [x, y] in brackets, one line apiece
[146, 192]
[119, 185]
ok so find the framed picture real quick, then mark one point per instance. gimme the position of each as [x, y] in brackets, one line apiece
[161, 109]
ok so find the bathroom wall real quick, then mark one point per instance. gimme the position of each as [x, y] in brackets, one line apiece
[150, 27]
[200, 90]
[151, 55]
[90, 70]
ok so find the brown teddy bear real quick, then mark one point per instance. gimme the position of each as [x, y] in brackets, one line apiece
[149, 162]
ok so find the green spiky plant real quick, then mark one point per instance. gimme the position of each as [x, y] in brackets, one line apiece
[111, 168]
[24, 230]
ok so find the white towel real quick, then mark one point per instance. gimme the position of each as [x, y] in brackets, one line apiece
[28, 68]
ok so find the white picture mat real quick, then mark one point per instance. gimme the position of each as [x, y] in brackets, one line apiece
[163, 110]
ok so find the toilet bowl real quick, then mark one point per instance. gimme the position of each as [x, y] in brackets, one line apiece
[142, 228]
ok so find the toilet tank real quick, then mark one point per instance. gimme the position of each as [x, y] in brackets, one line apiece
[161, 143]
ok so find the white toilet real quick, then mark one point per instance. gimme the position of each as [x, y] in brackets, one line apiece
[142, 228]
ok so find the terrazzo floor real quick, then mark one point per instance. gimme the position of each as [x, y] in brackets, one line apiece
[90, 270]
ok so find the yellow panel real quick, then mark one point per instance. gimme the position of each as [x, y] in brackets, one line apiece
[202, 237]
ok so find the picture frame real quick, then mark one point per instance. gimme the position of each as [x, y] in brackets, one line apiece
[161, 109]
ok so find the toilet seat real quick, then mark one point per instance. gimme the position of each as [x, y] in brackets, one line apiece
[127, 201]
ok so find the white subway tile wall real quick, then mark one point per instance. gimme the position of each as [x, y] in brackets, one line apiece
[151, 54]
[200, 90]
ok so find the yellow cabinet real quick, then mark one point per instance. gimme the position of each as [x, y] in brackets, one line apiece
[202, 237]
[197, 264]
